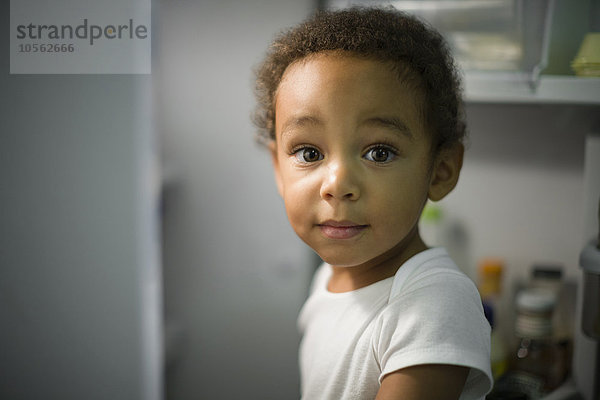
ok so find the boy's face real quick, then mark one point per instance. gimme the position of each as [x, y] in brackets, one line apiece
[352, 158]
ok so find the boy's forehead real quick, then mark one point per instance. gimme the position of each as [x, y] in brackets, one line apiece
[343, 66]
[326, 78]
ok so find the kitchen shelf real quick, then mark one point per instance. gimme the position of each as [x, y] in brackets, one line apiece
[554, 89]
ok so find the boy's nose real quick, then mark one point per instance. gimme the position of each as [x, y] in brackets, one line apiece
[340, 183]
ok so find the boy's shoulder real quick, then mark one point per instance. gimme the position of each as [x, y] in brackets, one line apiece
[431, 270]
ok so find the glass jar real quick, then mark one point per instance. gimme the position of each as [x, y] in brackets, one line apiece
[539, 363]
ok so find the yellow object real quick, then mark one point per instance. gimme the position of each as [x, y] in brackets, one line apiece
[587, 61]
[490, 276]
[490, 288]
[498, 355]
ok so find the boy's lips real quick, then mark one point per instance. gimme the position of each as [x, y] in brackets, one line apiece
[341, 229]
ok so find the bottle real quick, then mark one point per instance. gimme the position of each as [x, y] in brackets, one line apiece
[550, 276]
[537, 365]
[490, 288]
[547, 276]
[540, 353]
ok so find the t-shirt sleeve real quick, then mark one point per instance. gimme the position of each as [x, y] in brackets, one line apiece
[437, 320]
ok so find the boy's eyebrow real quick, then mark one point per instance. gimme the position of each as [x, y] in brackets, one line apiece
[394, 123]
[298, 122]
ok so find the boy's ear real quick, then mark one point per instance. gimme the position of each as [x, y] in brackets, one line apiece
[446, 170]
[273, 150]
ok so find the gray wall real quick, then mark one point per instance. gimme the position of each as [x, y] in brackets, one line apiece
[235, 274]
[79, 276]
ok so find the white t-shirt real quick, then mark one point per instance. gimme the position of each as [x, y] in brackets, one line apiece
[428, 313]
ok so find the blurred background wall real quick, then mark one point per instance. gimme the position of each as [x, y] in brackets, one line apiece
[235, 275]
[80, 283]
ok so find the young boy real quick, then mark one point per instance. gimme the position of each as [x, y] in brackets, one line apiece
[362, 113]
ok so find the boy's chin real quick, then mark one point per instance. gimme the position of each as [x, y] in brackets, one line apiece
[340, 260]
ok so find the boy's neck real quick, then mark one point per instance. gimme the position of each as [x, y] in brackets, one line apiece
[346, 279]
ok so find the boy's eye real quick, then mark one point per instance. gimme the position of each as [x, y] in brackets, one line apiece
[380, 154]
[308, 155]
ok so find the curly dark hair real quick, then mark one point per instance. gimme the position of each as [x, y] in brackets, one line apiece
[382, 34]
